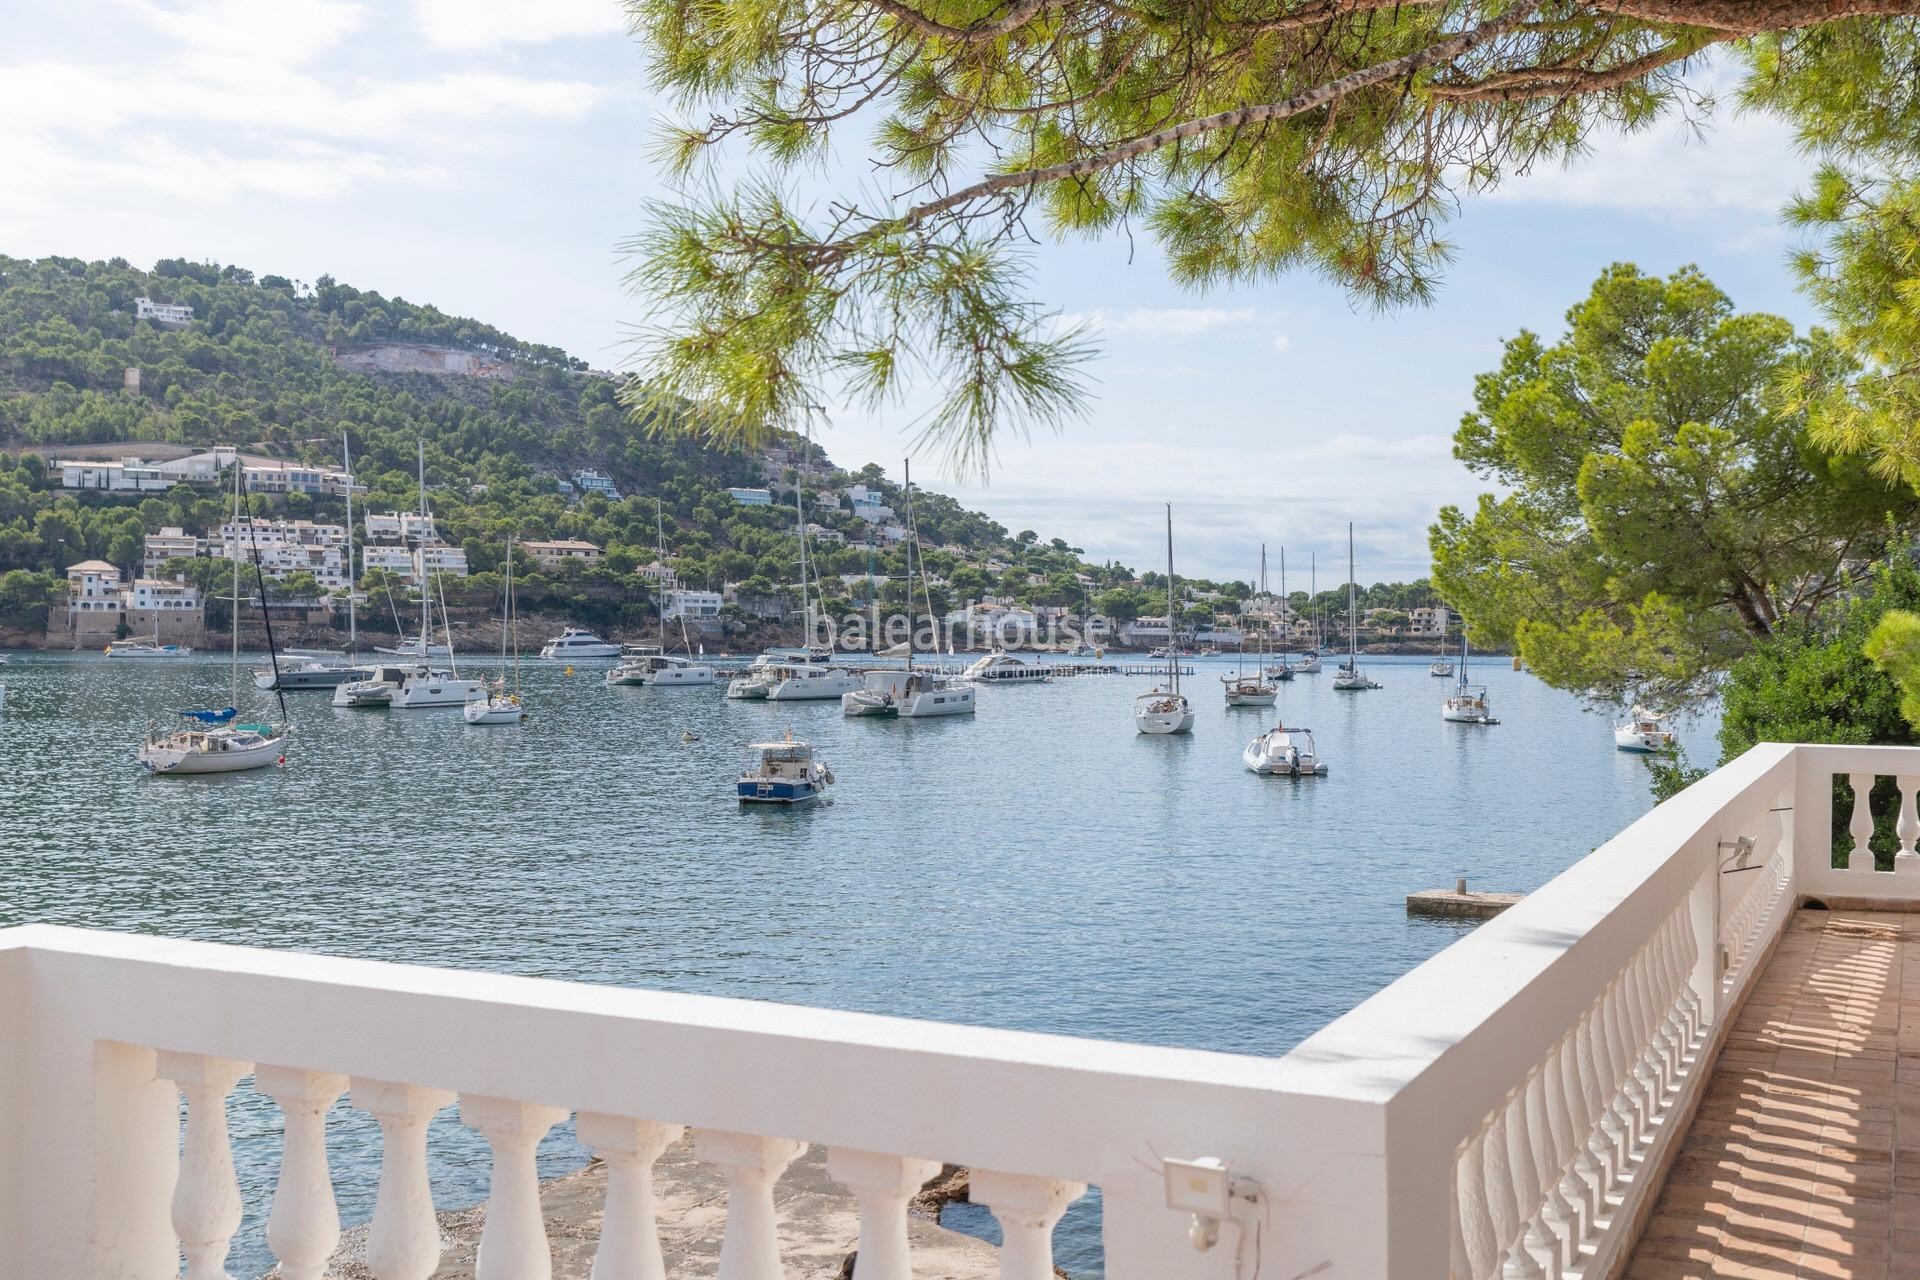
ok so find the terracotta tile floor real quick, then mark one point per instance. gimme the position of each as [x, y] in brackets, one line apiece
[1805, 1157]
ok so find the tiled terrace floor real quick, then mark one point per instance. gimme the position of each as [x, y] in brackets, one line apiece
[1805, 1157]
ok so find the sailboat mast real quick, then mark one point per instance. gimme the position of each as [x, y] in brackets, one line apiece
[233, 558]
[1353, 609]
[800, 533]
[420, 554]
[1173, 642]
[506, 605]
[513, 622]
[353, 579]
[660, 550]
[906, 468]
[1286, 607]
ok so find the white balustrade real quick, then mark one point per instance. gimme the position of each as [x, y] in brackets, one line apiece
[1509, 1099]
[304, 1227]
[1026, 1207]
[751, 1164]
[629, 1236]
[403, 1240]
[206, 1200]
[883, 1184]
[513, 1241]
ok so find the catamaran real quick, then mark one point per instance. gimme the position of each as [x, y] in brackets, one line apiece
[1467, 704]
[1165, 711]
[1349, 675]
[502, 705]
[652, 665]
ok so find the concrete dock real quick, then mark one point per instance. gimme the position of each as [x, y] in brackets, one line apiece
[1459, 902]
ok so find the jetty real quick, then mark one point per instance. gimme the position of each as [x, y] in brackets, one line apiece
[1459, 902]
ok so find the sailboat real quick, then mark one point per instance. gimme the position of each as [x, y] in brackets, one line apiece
[1166, 711]
[1349, 676]
[910, 694]
[1467, 704]
[325, 671]
[1309, 663]
[501, 706]
[1243, 690]
[212, 742]
[1645, 732]
[651, 664]
[778, 665]
[1440, 667]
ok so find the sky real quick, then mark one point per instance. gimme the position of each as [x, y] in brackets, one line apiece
[490, 156]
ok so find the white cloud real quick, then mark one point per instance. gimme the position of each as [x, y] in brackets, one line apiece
[282, 33]
[489, 24]
[1282, 343]
[1159, 322]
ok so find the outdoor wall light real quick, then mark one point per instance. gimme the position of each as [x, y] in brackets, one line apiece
[1206, 1188]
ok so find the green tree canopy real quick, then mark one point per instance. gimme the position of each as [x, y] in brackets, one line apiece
[1662, 510]
[1247, 137]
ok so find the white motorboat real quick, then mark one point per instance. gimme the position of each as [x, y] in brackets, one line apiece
[1467, 704]
[878, 694]
[1349, 676]
[226, 749]
[577, 644]
[1001, 667]
[147, 649]
[1284, 752]
[783, 772]
[498, 704]
[428, 687]
[1166, 711]
[1645, 731]
[809, 682]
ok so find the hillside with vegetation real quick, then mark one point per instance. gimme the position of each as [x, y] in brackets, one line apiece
[258, 368]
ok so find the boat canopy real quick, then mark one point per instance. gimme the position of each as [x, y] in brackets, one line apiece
[211, 717]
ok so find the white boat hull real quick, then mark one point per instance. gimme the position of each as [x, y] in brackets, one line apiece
[1266, 699]
[363, 694]
[580, 652]
[436, 691]
[162, 758]
[1161, 718]
[670, 677]
[1466, 715]
[1628, 739]
[866, 702]
[1307, 667]
[495, 711]
[812, 688]
[1281, 764]
[938, 702]
[623, 675]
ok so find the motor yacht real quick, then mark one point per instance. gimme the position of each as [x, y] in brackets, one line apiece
[783, 772]
[576, 644]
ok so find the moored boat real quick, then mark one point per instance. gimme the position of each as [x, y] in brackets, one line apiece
[1165, 711]
[577, 644]
[783, 772]
[1283, 751]
[1645, 732]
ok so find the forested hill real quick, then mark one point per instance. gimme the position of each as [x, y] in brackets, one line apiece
[260, 366]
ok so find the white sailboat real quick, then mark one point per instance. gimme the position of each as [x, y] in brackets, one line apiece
[329, 671]
[910, 694]
[427, 686]
[1467, 704]
[1441, 666]
[1644, 732]
[787, 669]
[1243, 690]
[1349, 676]
[502, 705]
[652, 665]
[1166, 711]
[214, 743]
[1309, 663]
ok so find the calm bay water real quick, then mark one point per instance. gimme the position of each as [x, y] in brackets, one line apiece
[1039, 866]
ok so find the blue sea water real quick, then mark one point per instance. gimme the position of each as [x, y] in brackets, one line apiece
[1039, 866]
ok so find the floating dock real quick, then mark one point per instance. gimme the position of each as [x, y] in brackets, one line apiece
[1459, 903]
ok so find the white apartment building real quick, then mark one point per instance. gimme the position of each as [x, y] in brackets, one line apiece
[1429, 621]
[684, 603]
[294, 477]
[561, 551]
[596, 482]
[133, 475]
[867, 504]
[171, 543]
[94, 588]
[752, 497]
[828, 537]
[160, 595]
[286, 547]
[161, 312]
[439, 558]
[400, 526]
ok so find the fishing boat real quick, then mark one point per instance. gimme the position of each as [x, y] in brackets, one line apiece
[1467, 704]
[577, 644]
[1645, 732]
[502, 705]
[212, 742]
[783, 772]
[909, 694]
[1349, 676]
[1001, 667]
[1165, 711]
[1284, 752]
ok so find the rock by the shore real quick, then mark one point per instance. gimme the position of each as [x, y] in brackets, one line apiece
[819, 1225]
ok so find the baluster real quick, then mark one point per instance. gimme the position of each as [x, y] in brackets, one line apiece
[1026, 1208]
[513, 1240]
[1907, 859]
[629, 1238]
[1694, 1014]
[1645, 1089]
[1666, 1031]
[1603, 1136]
[1586, 1174]
[750, 1248]
[1562, 1141]
[1620, 1075]
[883, 1184]
[206, 1200]
[304, 1226]
[1523, 1187]
[1533, 1149]
[1476, 1253]
[403, 1240]
[1860, 826]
